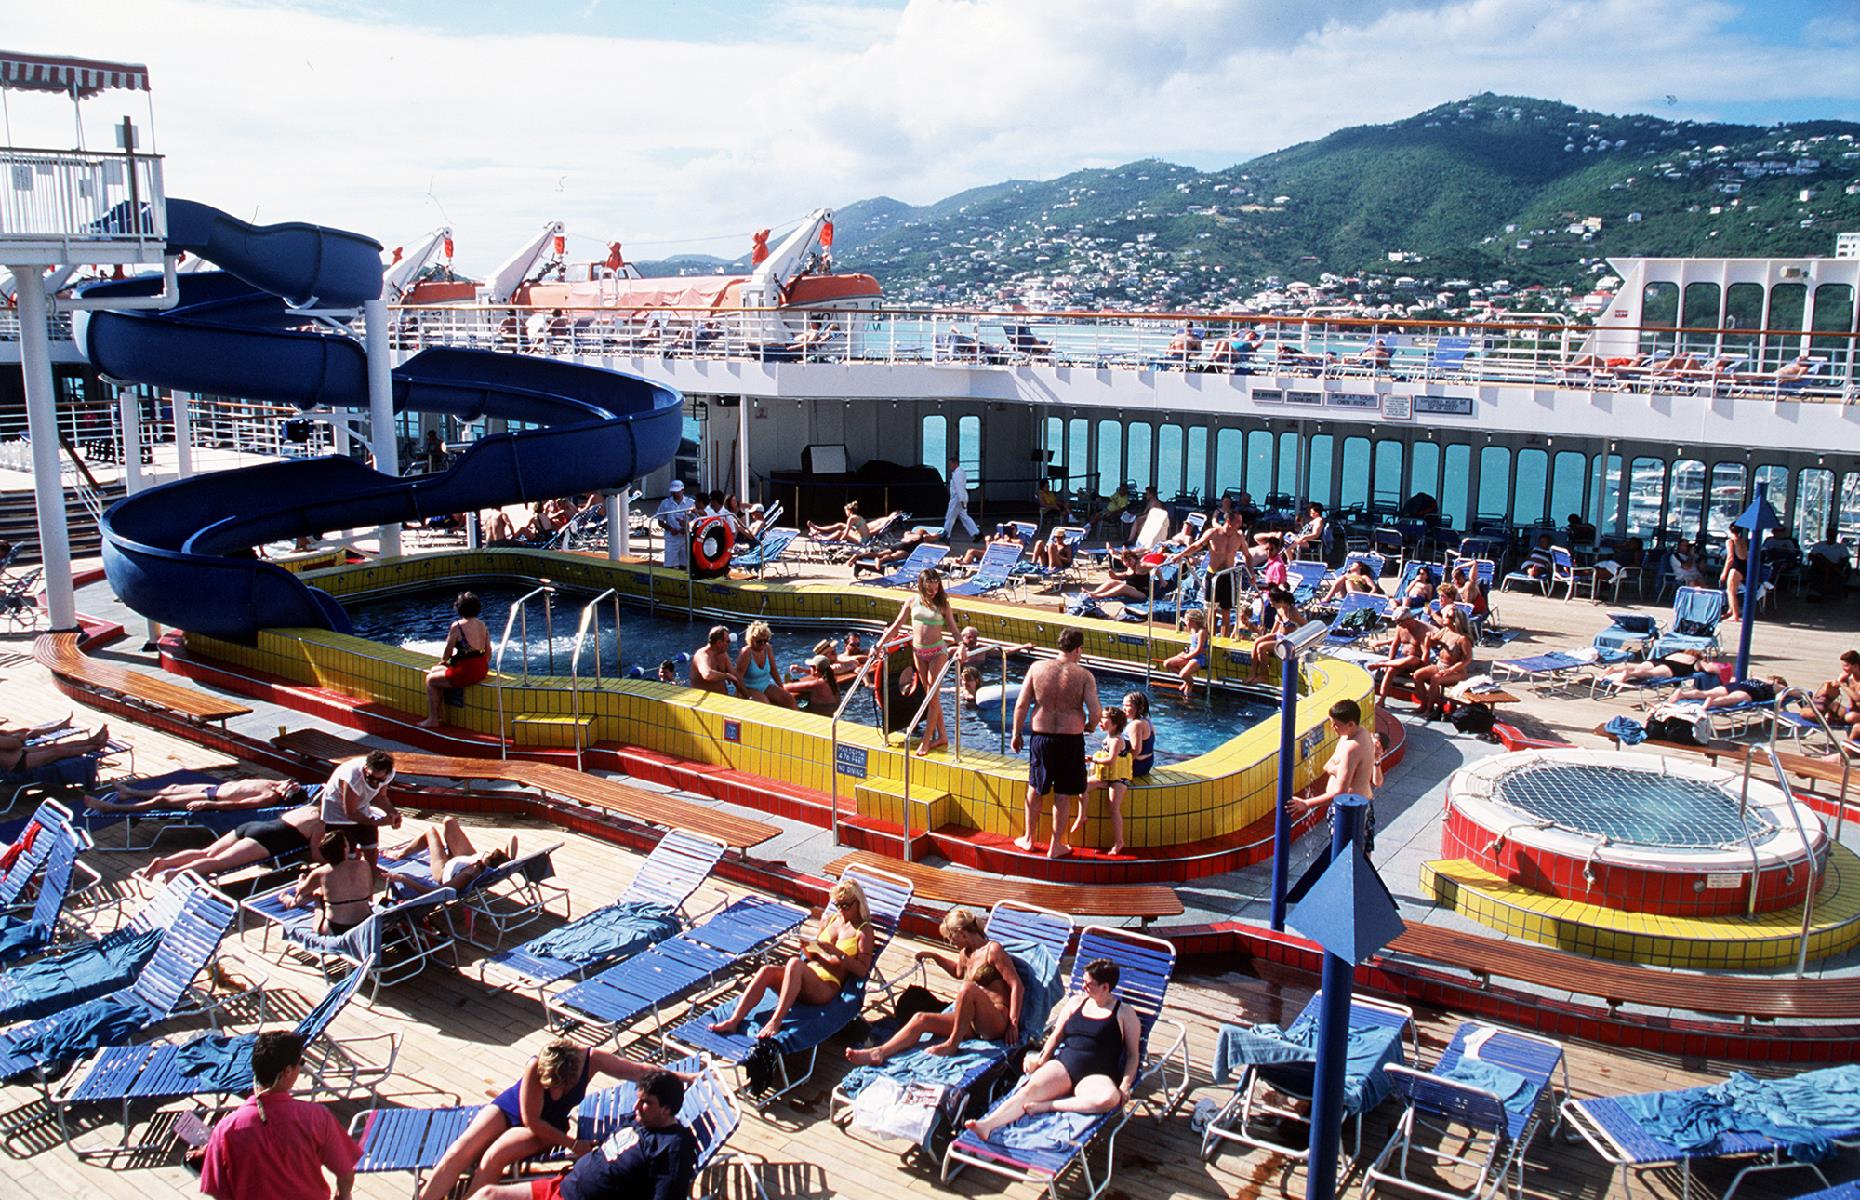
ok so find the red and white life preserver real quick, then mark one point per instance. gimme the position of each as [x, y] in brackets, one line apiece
[712, 540]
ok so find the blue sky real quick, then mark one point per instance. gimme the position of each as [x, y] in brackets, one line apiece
[687, 124]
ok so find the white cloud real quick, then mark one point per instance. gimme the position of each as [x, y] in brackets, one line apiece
[338, 116]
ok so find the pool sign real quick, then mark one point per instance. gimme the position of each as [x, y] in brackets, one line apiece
[732, 731]
[850, 761]
[1397, 408]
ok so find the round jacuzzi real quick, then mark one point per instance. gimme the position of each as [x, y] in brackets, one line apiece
[1633, 832]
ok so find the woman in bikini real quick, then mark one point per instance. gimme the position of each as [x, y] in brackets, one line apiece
[852, 529]
[465, 660]
[755, 666]
[1683, 665]
[932, 623]
[343, 883]
[987, 1003]
[1089, 1062]
[451, 857]
[843, 948]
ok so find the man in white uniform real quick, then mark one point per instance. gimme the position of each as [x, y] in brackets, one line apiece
[958, 501]
[673, 516]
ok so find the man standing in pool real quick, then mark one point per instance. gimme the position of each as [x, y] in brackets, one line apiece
[1351, 770]
[1064, 699]
[1225, 542]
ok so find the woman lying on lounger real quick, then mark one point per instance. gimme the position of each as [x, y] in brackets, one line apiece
[529, 1117]
[451, 857]
[987, 1003]
[252, 842]
[1672, 666]
[844, 947]
[1734, 693]
[1089, 1062]
[202, 797]
[20, 752]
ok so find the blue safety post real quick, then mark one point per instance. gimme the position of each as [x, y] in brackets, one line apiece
[1350, 913]
[1758, 518]
[1287, 649]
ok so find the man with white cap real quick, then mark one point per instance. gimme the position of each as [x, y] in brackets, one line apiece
[673, 516]
[958, 501]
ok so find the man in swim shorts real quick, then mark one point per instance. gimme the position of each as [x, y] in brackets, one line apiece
[1350, 771]
[1064, 699]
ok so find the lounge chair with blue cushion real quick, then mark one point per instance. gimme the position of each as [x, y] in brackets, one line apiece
[24, 856]
[1279, 1063]
[40, 1048]
[1375, 562]
[766, 553]
[1697, 613]
[1044, 1149]
[1553, 670]
[1485, 1099]
[1628, 632]
[658, 977]
[1780, 1123]
[394, 944]
[505, 898]
[1036, 939]
[217, 1065]
[993, 574]
[1347, 627]
[76, 972]
[25, 933]
[1448, 357]
[651, 909]
[807, 1025]
[923, 556]
[1303, 577]
[1563, 574]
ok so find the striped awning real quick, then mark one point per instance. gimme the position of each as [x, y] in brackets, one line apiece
[80, 77]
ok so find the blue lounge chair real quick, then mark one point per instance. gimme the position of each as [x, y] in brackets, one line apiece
[25, 855]
[161, 821]
[1563, 573]
[766, 553]
[1303, 578]
[1036, 939]
[1627, 632]
[1343, 625]
[394, 944]
[1781, 1123]
[1498, 1085]
[78, 972]
[923, 556]
[1045, 1148]
[1697, 613]
[656, 978]
[806, 1025]
[1283, 1062]
[993, 574]
[215, 1064]
[28, 933]
[1375, 563]
[503, 899]
[651, 909]
[1411, 570]
[43, 1046]
[1553, 670]
[1448, 357]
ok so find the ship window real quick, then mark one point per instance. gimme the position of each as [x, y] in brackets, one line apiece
[1788, 305]
[1834, 313]
[1743, 309]
[1198, 461]
[1527, 493]
[1685, 497]
[1456, 462]
[1424, 469]
[1701, 317]
[1494, 482]
[1849, 520]
[1388, 474]
[1777, 477]
[1355, 472]
[1317, 468]
[1569, 482]
[1814, 504]
[1078, 454]
[1259, 464]
[1289, 481]
[1607, 479]
[969, 445]
[1055, 446]
[1137, 438]
[935, 441]
[1228, 454]
[1659, 306]
[1727, 498]
[1169, 461]
[1646, 477]
[1110, 456]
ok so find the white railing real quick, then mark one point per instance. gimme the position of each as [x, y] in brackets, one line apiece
[71, 195]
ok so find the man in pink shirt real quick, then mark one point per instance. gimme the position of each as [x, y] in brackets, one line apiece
[273, 1147]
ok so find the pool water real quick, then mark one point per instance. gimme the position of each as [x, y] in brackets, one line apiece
[418, 621]
[1633, 807]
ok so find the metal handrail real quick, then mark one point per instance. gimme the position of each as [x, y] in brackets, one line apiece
[877, 657]
[933, 694]
[521, 607]
[589, 613]
[1817, 868]
[1841, 746]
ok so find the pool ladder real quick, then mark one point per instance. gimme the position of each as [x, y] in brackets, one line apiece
[518, 623]
[590, 618]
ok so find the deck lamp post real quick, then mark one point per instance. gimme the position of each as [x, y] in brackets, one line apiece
[1758, 518]
[1350, 913]
[1287, 648]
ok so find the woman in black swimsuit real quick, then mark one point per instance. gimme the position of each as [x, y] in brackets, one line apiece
[251, 842]
[1736, 560]
[1089, 1062]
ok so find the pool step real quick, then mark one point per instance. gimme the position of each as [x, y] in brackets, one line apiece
[883, 800]
[551, 730]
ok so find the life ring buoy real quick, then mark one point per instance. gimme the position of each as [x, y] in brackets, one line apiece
[712, 539]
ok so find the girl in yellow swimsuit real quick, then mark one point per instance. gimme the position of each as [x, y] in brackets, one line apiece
[843, 947]
[932, 624]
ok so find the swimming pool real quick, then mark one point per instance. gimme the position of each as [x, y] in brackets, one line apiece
[1635, 832]
[417, 621]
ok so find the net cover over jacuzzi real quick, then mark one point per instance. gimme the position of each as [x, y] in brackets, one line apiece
[1634, 832]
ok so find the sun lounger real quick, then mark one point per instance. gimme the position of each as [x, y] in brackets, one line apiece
[1553, 670]
[74, 973]
[993, 574]
[1283, 1063]
[157, 822]
[26, 933]
[1303, 578]
[1036, 939]
[1697, 613]
[806, 1025]
[394, 944]
[923, 556]
[25, 855]
[766, 553]
[1046, 1148]
[658, 977]
[1780, 1123]
[651, 909]
[503, 899]
[1346, 627]
[1627, 632]
[1492, 1089]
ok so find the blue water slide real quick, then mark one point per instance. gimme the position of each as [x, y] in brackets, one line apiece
[181, 553]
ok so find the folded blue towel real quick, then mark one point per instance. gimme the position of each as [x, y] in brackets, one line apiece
[610, 932]
[1626, 730]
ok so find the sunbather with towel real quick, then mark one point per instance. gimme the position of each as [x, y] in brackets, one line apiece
[233, 794]
[987, 1003]
[1673, 666]
[1738, 691]
[451, 857]
[18, 752]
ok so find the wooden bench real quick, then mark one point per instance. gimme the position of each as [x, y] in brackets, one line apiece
[622, 799]
[59, 654]
[1141, 901]
[1761, 998]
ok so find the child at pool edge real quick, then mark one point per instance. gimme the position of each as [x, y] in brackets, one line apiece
[1141, 733]
[1110, 770]
[1185, 664]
